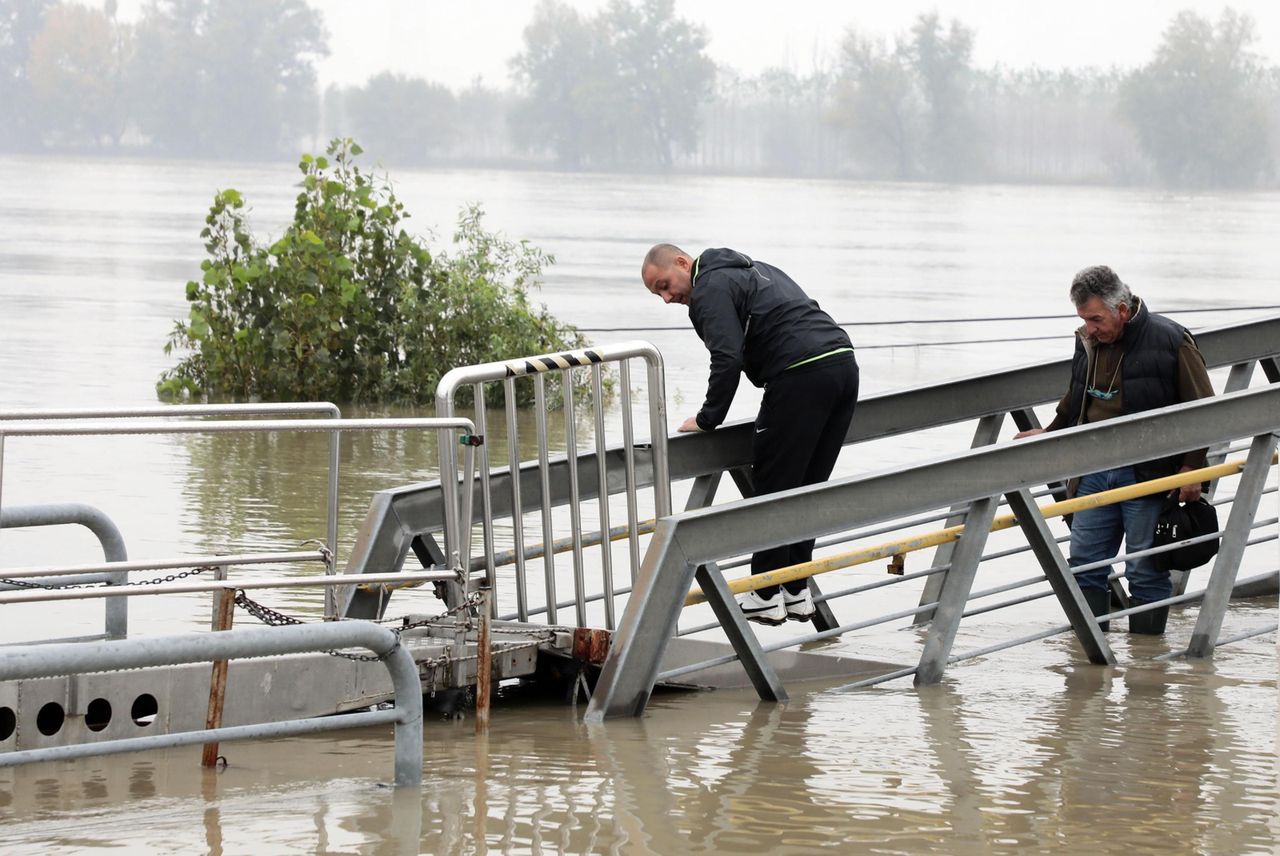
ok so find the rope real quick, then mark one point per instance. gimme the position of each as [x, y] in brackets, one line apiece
[898, 322]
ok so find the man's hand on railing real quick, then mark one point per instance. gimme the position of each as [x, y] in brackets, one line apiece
[689, 425]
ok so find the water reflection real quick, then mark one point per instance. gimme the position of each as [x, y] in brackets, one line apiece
[1072, 759]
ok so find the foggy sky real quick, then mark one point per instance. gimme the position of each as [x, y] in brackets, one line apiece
[454, 43]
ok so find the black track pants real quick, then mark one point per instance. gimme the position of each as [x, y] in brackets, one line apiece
[800, 428]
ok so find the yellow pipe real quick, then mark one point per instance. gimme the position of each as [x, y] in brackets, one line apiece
[952, 533]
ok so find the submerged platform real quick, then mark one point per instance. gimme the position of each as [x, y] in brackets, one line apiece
[107, 706]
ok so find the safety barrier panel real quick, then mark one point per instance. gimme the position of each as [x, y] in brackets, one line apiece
[689, 545]
[72, 659]
[596, 467]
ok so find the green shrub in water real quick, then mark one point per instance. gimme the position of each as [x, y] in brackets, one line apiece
[347, 306]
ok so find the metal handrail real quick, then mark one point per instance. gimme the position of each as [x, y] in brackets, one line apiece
[72, 659]
[334, 426]
[409, 514]
[792, 573]
[359, 580]
[167, 564]
[690, 544]
[1056, 630]
[182, 411]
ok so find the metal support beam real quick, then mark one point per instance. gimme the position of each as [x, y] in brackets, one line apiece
[986, 433]
[703, 491]
[1271, 368]
[1238, 378]
[955, 592]
[649, 622]
[744, 642]
[1060, 577]
[742, 478]
[1253, 479]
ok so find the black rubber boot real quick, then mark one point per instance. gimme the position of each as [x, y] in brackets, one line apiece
[1099, 601]
[1149, 623]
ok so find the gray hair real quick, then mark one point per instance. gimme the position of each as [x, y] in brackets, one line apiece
[1100, 281]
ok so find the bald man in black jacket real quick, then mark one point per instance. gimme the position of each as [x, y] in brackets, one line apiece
[753, 318]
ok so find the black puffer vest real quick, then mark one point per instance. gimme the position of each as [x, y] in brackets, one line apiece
[1148, 376]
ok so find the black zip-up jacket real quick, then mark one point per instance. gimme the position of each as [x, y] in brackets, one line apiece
[753, 318]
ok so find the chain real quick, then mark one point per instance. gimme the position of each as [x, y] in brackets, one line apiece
[262, 612]
[173, 577]
[156, 581]
[275, 618]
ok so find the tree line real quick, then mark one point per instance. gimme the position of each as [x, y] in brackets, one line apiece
[631, 87]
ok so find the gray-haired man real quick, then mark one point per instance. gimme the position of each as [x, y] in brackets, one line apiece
[1127, 360]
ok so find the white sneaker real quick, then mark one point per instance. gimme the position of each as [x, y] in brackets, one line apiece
[799, 607]
[766, 611]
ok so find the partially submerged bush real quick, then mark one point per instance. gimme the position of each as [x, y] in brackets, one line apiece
[347, 306]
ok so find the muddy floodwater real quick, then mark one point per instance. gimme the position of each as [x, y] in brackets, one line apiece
[1028, 750]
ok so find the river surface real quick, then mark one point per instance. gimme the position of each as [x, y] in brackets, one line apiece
[1026, 750]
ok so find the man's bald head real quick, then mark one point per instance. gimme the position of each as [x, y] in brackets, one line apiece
[661, 255]
[667, 272]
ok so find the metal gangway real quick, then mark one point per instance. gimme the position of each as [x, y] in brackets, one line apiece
[408, 520]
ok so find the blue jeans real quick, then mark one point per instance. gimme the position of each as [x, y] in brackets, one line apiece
[1096, 534]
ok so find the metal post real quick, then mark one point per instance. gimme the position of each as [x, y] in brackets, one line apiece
[331, 523]
[544, 477]
[449, 488]
[955, 592]
[753, 659]
[602, 473]
[658, 435]
[484, 663]
[1061, 578]
[224, 607]
[517, 508]
[1235, 535]
[486, 496]
[635, 653]
[575, 507]
[629, 456]
[1238, 378]
[986, 433]
[465, 520]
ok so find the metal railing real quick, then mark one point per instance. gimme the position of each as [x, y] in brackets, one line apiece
[116, 612]
[182, 411]
[403, 519]
[585, 477]
[73, 659]
[334, 427]
[689, 545]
